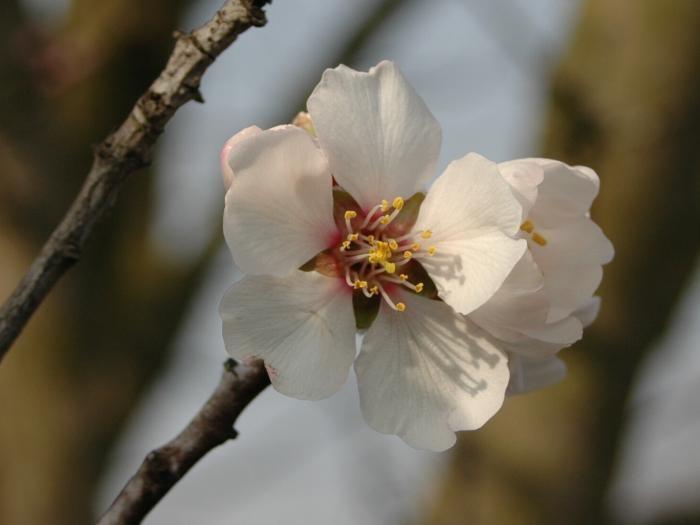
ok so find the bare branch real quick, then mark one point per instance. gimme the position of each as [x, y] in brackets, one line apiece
[212, 426]
[122, 153]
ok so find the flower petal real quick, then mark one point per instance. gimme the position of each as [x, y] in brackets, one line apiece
[426, 372]
[566, 192]
[528, 374]
[472, 213]
[571, 263]
[380, 138]
[523, 176]
[301, 325]
[588, 313]
[226, 171]
[279, 208]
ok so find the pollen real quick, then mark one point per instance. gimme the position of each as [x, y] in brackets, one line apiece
[393, 244]
[432, 250]
[426, 234]
[390, 267]
[374, 290]
[353, 236]
[398, 203]
[415, 246]
[345, 245]
[536, 237]
[527, 226]
[419, 287]
[386, 219]
[403, 277]
[385, 205]
[400, 307]
[350, 214]
[359, 284]
[407, 254]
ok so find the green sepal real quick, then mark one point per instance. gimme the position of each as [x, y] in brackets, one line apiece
[365, 308]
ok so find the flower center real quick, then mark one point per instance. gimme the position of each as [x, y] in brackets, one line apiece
[372, 258]
[529, 227]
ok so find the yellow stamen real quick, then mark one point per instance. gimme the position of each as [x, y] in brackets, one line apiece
[385, 205]
[415, 246]
[527, 226]
[374, 290]
[386, 219]
[400, 307]
[370, 239]
[419, 287]
[407, 254]
[426, 234]
[350, 214]
[403, 277]
[393, 244]
[353, 236]
[536, 237]
[345, 245]
[432, 250]
[360, 284]
[390, 267]
[398, 203]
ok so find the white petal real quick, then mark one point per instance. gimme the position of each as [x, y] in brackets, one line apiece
[589, 312]
[301, 325]
[380, 138]
[571, 263]
[472, 213]
[226, 171]
[524, 176]
[426, 372]
[565, 193]
[528, 374]
[279, 207]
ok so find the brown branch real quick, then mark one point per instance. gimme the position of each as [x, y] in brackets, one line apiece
[127, 149]
[211, 426]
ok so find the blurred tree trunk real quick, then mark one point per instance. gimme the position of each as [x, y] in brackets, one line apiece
[83, 361]
[626, 101]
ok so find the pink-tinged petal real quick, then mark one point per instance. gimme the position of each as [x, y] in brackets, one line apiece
[523, 176]
[279, 208]
[566, 193]
[529, 374]
[226, 171]
[301, 325]
[380, 138]
[473, 215]
[571, 263]
[427, 372]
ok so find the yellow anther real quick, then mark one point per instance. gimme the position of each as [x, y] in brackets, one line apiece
[419, 287]
[385, 220]
[345, 245]
[403, 277]
[426, 234]
[353, 236]
[390, 267]
[370, 239]
[415, 246]
[393, 244]
[432, 250]
[539, 239]
[350, 214]
[398, 203]
[407, 254]
[400, 307]
[527, 226]
[359, 284]
[385, 205]
[374, 290]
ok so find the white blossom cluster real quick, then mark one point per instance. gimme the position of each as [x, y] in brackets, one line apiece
[463, 293]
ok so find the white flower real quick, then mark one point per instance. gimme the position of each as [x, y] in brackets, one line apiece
[547, 299]
[324, 259]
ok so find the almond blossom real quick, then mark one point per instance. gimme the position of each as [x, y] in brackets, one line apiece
[547, 300]
[335, 235]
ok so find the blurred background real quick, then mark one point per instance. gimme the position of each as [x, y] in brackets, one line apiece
[128, 345]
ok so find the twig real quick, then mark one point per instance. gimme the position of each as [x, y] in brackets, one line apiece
[212, 426]
[127, 149]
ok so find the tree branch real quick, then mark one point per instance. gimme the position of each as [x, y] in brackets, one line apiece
[123, 152]
[211, 426]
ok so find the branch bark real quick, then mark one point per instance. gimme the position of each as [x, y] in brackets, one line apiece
[211, 426]
[123, 152]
